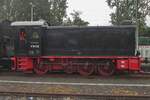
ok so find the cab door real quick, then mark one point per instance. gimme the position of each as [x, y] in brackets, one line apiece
[21, 41]
[34, 41]
[28, 42]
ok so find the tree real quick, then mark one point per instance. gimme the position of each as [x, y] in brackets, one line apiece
[68, 22]
[76, 19]
[53, 11]
[57, 12]
[126, 10]
[6, 7]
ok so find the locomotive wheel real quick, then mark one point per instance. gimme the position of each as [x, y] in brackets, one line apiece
[106, 69]
[69, 69]
[86, 70]
[41, 68]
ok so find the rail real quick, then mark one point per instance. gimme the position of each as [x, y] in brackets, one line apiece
[40, 96]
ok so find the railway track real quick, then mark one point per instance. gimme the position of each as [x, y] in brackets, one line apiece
[39, 96]
[144, 73]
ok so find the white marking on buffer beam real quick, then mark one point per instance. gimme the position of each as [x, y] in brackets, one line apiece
[80, 84]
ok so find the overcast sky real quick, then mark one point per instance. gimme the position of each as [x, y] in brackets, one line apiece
[94, 11]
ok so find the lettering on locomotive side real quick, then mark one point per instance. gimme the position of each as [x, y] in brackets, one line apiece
[35, 46]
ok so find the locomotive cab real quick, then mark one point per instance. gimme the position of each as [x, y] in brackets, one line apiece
[28, 38]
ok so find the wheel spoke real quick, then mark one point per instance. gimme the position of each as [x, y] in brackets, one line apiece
[106, 69]
[41, 68]
[86, 70]
[69, 69]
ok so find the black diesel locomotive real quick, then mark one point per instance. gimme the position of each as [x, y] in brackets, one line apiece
[85, 50]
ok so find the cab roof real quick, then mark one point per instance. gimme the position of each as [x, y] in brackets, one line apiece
[29, 23]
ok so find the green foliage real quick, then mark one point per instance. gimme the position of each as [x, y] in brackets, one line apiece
[57, 12]
[53, 11]
[126, 10]
[76, 20]
[20, 10]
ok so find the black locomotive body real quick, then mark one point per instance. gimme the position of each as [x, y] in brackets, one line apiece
[76, 41]
[89, 41]
[86, 50]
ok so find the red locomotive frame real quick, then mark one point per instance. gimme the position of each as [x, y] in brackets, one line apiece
[107, 65]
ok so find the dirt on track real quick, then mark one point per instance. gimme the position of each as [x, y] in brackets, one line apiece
[74, 89]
